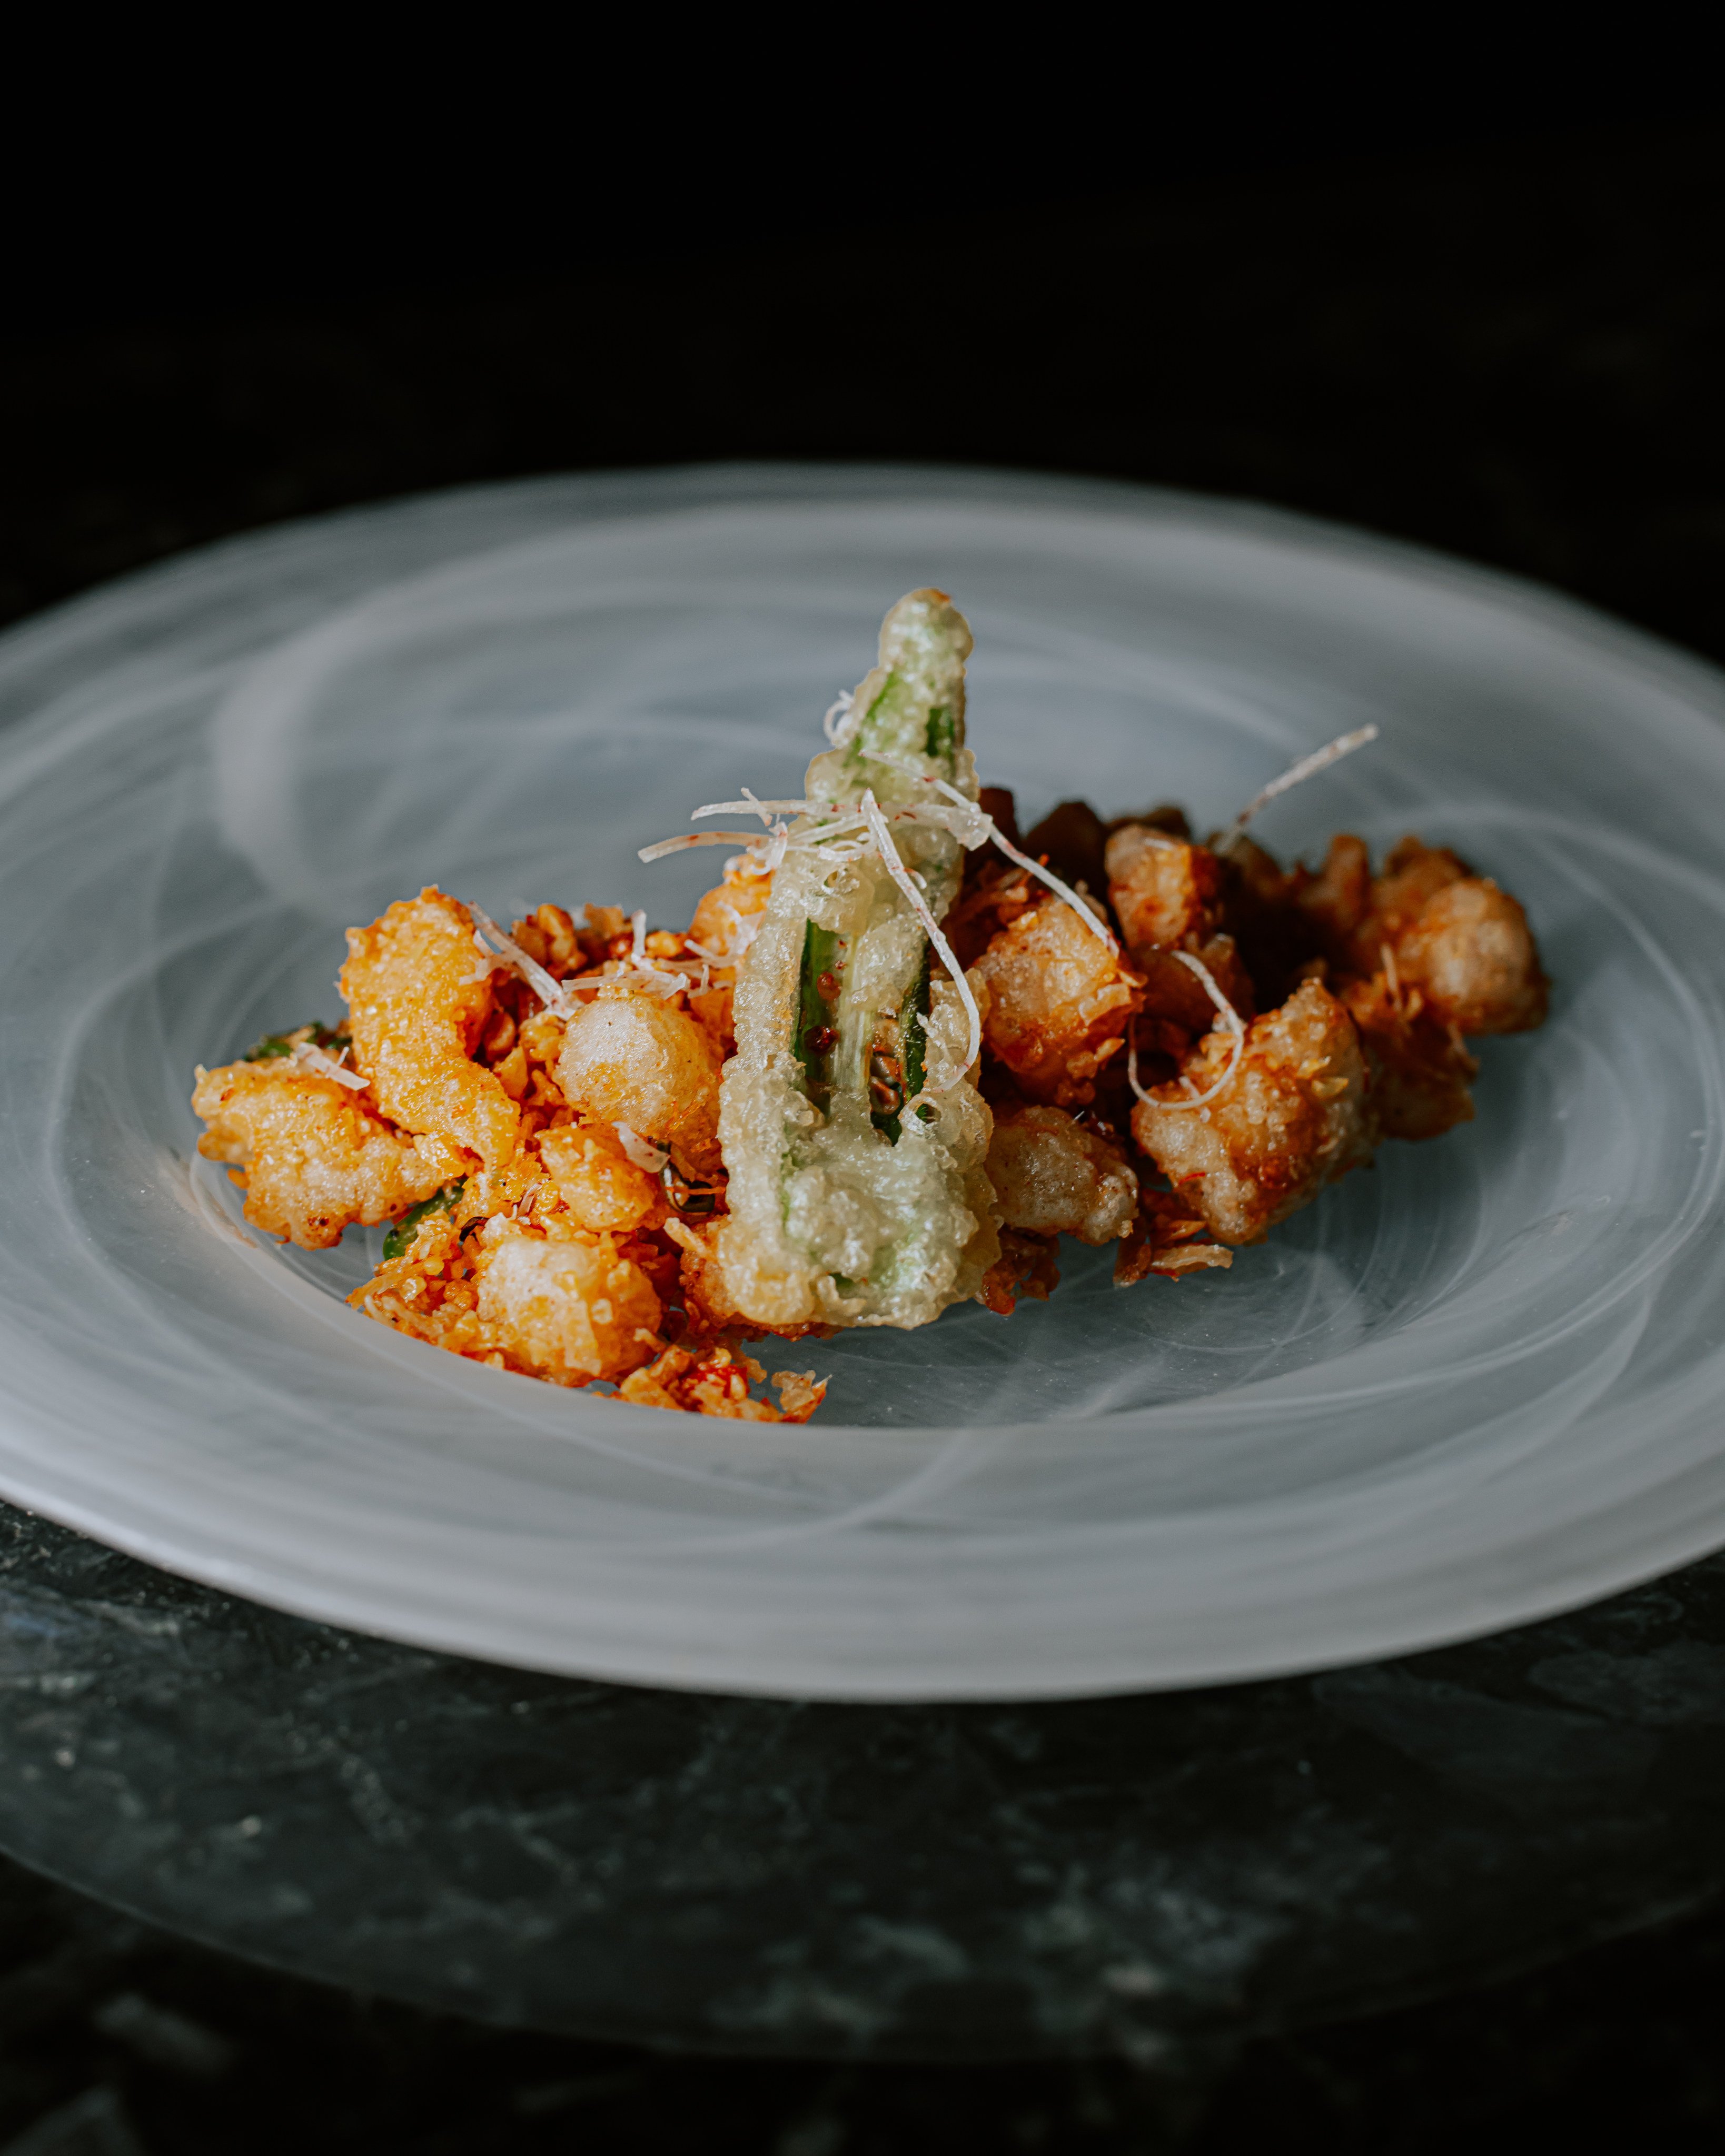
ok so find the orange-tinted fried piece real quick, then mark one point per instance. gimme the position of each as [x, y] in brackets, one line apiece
[1059, 1002]
[1292, 1118]
[420, 994]
[311, 1155]
[713, 1379]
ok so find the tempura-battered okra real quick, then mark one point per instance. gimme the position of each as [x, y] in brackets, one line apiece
[854, 1138]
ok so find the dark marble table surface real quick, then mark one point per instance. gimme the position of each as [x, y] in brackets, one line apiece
[1137, 1875]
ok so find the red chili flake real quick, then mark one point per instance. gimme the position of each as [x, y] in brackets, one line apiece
[828, 986]
[819, 1039]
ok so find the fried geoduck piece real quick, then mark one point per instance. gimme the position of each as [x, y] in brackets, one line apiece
[310, 1156]
[420, 994]
[635, 1060]
[1433, 926]
[548, 1300]
[1060, 999]
[1053, 1176]
[713, 1379]
[1291, 1118]
[1168, 896]
[596, 1182]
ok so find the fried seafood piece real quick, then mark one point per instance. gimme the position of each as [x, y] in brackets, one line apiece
[420, 994]
[569, 1308]
[1471, 953]
[1432, 924]
[312, 1157]
[597, 1184]
[1167, 894]
[630, 1058]
[1051, 1175]
[713, 1379]
[1060, 999]
[1291, 1118]
[1419, 1072]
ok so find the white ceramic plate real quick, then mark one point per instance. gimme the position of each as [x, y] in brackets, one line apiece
[1471, 1388]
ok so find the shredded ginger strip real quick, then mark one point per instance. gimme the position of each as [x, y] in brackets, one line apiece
[902, 876]
[1231, 1020]
[509, 952]
[310, 1057]
[986, 828]
[1308, 767]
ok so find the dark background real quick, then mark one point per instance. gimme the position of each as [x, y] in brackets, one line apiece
[1487, 330]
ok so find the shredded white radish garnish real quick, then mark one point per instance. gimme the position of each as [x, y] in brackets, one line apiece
[832, 724]
[752, 802]
[664, 846]
[310, 1057]
[1231, 1020]
[983, 827]
[900, 875]
[646, 1155]
[1390, 974]
[1320, 759]
[549, 992]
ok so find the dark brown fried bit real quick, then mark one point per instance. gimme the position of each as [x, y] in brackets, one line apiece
[1419, 1070]
[1168, 1237]
[1024, 1272]
[1069, 839]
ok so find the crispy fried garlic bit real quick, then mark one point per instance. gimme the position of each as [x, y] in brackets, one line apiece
[311, 1157]
[419, 993]
[1292, 1119]
[1169, 897]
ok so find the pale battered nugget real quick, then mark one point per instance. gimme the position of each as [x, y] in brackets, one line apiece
[311, 1156]
[1060, 999]
[568, 1309]
[418, 994]
[630, 1059]
[1470, 953]
[1292, 1118]
[1053, 1176]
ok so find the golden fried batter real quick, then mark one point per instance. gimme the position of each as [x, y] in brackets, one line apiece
[1053, 1176]
[628, 1058]
[312, 1156]
[568, 1309]
[420, 996]
[714, 1379]
[1292, 1118]
[598, 1183]
[1470, 953]
[1060, 999]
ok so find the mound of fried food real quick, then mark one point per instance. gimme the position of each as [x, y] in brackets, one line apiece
[538, 1112]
